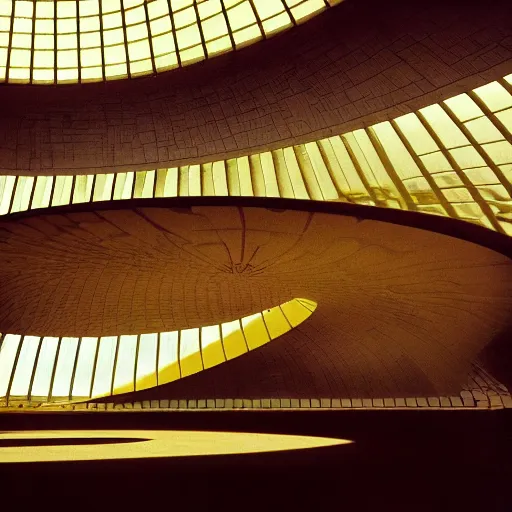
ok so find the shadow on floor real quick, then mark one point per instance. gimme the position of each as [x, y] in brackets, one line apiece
[401, 460]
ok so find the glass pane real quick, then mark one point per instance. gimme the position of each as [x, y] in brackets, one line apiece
[255, 331]
[144, 183]
[220, 183]
[147, 362]
[65, 365]
[42, 192]
[447, 131]
[45, 366]
[464, 107]
[495, 96]
[104, 366]
[233, 339]
[244, 173]
[506, 118]
[62, 190]
[283, 176]
[344, 170]
[83, 189]
[123, 185]
[296, 179]
[269, 174]
[168, 365]
[417, 135]
[309, 304]
[103, 187]
[190, 355]
[25, 366]
[211, 346]
[6, 190]
[500, 152]
[233, 180]
[125, 365]
[398, 155]
[321, 172]
[207, 180]
[483, 130]
[8, 350]
[83, 375]
[194, 180]
[295, 312]
[276, 322]
[22, 194]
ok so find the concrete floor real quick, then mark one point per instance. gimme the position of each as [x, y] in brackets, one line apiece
[401, 460]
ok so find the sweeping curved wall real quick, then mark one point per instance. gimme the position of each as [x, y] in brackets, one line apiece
[70, 41]
[452, 159]
[405, 302]
[42, 369]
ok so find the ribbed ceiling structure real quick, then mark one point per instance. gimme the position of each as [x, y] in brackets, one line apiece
[407, 114]
[394, 309]
[66, 41]
[452, 158]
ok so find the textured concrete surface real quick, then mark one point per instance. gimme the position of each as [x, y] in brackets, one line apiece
[360, 63]
[401, 311]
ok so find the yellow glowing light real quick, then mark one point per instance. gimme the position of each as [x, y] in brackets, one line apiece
[95, 40]
[140, 444]
[84, 368]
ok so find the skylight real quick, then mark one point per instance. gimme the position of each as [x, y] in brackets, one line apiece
[42, 369]
[68, 41]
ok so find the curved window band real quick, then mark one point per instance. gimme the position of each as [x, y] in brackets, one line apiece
[69, 41]
[61, 369]
[452, 158]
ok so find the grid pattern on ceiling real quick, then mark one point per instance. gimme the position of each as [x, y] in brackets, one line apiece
[452, 158]
[45, 369]
[69, 41]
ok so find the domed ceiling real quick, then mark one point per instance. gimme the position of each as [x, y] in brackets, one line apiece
[170, 290]
[68, 41]
[377, 114]
[452, 158]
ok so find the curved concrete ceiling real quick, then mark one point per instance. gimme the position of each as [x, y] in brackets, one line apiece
[393, 299]
[69, 41]
[316, 81]
[451, 159]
